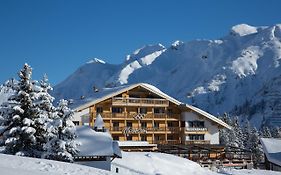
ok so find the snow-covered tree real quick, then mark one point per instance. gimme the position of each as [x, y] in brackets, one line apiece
[266, 132]
[18, 115]
[276, 132]
[62, 146]
[247, 131]
[46, 114]
[255, 146]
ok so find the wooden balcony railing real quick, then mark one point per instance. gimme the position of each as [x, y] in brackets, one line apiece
[197, 142]
[133, 115]
[139, 102]
[148, 129]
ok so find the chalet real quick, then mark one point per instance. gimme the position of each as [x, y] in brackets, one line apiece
[141, 112]
[272, 151]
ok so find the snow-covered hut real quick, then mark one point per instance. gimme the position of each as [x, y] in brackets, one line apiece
[272, 151]
[97, 148]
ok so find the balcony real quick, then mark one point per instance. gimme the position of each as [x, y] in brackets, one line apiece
[120, 101]
[138, 116]
[197, 142]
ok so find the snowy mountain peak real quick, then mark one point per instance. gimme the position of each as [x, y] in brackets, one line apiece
[145, 50]
[216, 75]
[243, 29]
[96, 60]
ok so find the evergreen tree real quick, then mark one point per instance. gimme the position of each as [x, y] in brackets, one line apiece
[18, 115]
[46, 114]
[266, 132]
[276, 132]
[62, 145]
[247, 131]
[255, 147]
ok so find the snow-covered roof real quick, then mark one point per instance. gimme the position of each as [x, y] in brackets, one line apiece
[96, 143]
[136, 143]
[99, 124]
[209, 116]
[272, 149]
[110, 92]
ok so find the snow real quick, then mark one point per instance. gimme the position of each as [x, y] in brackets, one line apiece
[15, 165]
[99, 124]
[135, 143]
[96, 60]
[210, 74]
[243, 29]
[247, 63]
[272, 149]
[95, 143]
[132, 163]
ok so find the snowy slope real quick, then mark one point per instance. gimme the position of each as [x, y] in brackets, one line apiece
[131, 164]
[224, 75]
[157, 163]
[15, 165]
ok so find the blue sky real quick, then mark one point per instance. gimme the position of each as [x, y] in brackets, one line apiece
[58, 36]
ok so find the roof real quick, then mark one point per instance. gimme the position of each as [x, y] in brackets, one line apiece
[110, 92]
[96, 143]
[209, 116]
[272, 149]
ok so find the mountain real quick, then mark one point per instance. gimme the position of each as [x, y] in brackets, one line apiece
[238, 73]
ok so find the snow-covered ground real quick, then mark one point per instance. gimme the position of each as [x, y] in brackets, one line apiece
[156, 163]
[14, 165]
[139, 163]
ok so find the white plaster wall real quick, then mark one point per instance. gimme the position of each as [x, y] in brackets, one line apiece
[82, 116]
[213, 131]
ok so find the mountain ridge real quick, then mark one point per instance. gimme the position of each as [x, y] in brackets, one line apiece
[216, 75]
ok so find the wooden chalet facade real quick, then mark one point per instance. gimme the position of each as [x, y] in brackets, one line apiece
[141, 112]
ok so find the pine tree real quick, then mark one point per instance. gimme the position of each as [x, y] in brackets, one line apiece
[276, 132]
[247, 131]
[18, 115]
[63, 145]
[255, 147]
[46, 114]
[266, 132]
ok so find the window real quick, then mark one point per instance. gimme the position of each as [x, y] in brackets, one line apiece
[115, 137]
[143, 110]
[157, 138]
[129, 124]
[99, 109]
[76, 123]
[156, 124]
[170, 137]
[143, 124]
[129, 137]
[196, 124]
[182, 124]
[196, 137]
[117, 110]
[159, 110]
[143, 138]
[170, 111]
[170, 124]
[115, 124]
